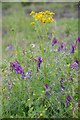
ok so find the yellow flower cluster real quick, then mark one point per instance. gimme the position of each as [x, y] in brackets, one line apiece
[44, 17]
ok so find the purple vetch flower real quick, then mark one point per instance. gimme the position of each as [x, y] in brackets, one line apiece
[74, 65]
[61, 82]
[68, 99]
[46, 86]
[78, 40]
[47, 93]
[55, 41]
[47, 89]
[72, 48]
[16, 67]
[77, 61]
[39, 61]
[61, 47]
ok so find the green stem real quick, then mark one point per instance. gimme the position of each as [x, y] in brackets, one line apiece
[17, 52]
[43, 53]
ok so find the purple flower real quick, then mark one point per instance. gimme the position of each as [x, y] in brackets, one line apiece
[55, 41]
[74, 65]
[77, 61]
[60, 47]
[61, 82]
[78, 40]
[39, 61]
[47, 89]
[68, 99]
[16, 67]
[47, 93]
[72, 48]
[46, 86]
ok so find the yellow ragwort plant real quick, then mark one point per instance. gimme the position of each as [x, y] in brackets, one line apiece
[41, 21]
[43, 17]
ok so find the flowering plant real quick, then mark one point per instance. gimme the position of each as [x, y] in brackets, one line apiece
[42, 80]
[43, 17]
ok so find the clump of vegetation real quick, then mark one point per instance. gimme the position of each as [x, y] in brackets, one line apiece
[40, 73]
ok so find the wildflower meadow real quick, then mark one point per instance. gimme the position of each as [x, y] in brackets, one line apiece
[40, 62]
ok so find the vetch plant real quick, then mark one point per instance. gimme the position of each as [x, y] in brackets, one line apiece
[72, 48]
[16, 67]
[68, 99]
[55, 41]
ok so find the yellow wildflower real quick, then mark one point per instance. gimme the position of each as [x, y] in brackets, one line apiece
[50, 19]
[32, 13]
[32, 23]
[52, 13]
[43, 17]
[47, 12]
[36, 17]
[43, 20]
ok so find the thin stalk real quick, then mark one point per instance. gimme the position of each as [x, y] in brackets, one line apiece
[42, 51]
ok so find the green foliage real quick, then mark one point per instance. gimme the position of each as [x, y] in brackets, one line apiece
[26, 98]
